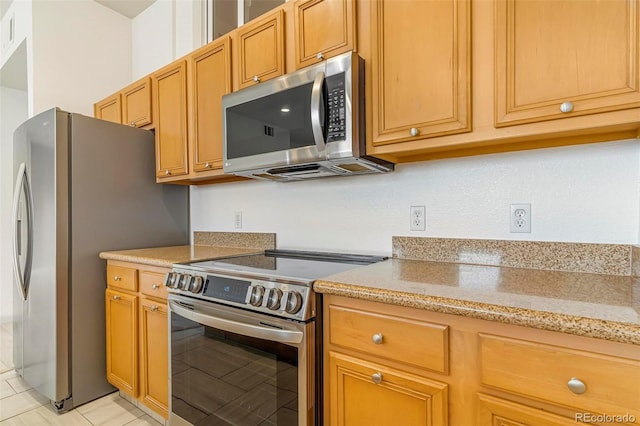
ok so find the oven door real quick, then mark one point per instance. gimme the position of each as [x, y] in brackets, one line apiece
[235, 367]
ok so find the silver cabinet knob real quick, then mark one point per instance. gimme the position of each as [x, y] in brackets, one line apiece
[155, 286]
[132, 124]
[377, 338]
[376, 378]
[566, 107]
[413, 131]
[116, 297]
[116, 278]
[154, 308]
[320, 56]
[256, 79]
[167, 173]
[207, 165]
[576, 386]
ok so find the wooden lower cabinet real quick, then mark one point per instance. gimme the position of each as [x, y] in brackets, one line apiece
[154, 361]
[368, 394]
[122, 334]
[137, 333]
[497, 375]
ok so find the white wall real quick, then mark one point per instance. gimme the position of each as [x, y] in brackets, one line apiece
[586, 193]
[81, 53]
[13, 111]
[165, 31]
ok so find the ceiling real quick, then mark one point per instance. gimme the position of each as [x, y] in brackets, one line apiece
[128, 8]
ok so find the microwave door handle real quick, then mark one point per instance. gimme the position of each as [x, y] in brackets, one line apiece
[316, 104]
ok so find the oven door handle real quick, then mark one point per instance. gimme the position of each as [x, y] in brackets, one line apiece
[238, 327]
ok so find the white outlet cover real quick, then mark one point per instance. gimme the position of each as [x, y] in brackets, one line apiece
[417, 218]
[520, 218]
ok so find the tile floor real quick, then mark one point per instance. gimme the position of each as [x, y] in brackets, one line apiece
[21, 405]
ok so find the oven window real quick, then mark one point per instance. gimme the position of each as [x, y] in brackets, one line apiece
[222, 378]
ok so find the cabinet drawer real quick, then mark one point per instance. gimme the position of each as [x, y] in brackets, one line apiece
[151, 284]
[611, 385]
[121, 277]
[403, 340]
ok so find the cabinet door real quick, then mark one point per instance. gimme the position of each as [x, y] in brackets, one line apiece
[122, 335]
[136, 103]
[558, 59]
[364, 393]
[154, 361]
[420, 69]
[108, 109]
[261, 49]
[209, 79]
[170, 111]
[495, 411]
[323, 28]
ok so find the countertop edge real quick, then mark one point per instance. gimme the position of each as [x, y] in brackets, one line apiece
[580, 326]
[141, 260]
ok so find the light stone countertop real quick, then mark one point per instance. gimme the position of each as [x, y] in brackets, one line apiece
[167, 256]
[585, 304]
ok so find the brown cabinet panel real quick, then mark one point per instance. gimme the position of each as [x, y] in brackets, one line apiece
[581, 56]
[122, 277]
[154, 361]
[495, 411]
[170, 113]
[209, 79]
[364, 393]
[122, 336]
[323, 27]
[136, 103]
[108, 109]
[420, 92]
[152, 284]
[260, 49]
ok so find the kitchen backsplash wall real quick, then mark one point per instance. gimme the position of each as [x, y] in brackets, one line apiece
[582, 194]
[261, 241]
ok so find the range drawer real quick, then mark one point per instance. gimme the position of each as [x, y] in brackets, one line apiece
[152, 284]
[121, 277]
[593, 382]
[402, 340]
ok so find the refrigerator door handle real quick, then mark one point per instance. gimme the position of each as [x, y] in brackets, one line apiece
[22, 182]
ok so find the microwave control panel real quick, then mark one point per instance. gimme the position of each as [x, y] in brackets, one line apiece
[336, 101]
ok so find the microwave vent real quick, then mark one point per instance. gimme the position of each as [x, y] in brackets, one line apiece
[267, 176]
[268, 130]
[353, 167]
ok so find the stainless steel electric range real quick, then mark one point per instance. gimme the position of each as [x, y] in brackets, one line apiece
[246, 337]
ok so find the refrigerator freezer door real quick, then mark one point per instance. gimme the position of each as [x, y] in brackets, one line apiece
[42, 144]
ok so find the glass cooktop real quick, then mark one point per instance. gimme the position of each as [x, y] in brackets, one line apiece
[287, 264]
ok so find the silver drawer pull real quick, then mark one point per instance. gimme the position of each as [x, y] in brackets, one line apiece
[154, 308]
[576, 386]
[116, 297]
[566, 107]
[117, 278]
[320, 56]
[256, 79]
[413, 131]
[155, 286]
[167, 173]
[376, 378]
[377, 338]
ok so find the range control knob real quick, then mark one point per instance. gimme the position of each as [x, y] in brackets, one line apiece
[171, 280]
[273, 301]
[257, 293]
[196, 284]
[185, 281]
[294, 302]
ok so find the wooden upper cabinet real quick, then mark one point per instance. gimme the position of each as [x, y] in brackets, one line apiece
[260, 49]
[323, 28]
[136, 103]
[209, 78]
[420, 69]
[170, 112]
[108, 109]
[565, 58]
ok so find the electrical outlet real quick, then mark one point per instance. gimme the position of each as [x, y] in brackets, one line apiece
[238, 219]
[418, 219]
[520, 218]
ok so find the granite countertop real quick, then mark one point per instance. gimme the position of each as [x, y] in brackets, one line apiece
[585, 304]
[167, 256]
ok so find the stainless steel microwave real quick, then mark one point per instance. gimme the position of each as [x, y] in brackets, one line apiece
[306, 124]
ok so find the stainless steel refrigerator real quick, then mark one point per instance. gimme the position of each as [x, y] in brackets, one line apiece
[82, 186]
